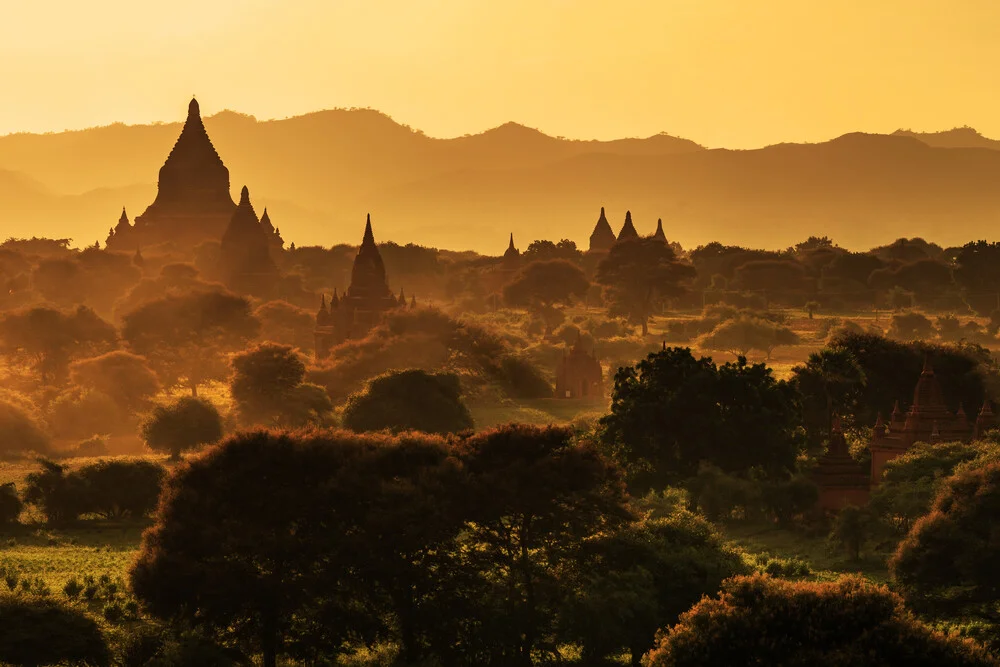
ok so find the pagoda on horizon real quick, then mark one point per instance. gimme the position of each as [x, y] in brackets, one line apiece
[193, 202]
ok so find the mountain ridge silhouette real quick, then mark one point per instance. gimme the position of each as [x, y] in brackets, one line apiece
[321, 172]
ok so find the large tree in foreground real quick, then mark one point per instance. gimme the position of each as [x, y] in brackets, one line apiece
[639, 275]
[757, 620]
[249, 544]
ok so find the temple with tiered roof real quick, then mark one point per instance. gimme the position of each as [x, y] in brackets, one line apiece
[193, 203]
[363, 305]
[579, 374]
[841, 480]
[245, 252]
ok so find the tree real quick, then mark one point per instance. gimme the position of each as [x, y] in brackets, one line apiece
[641, 577]
[61, 497]
[776, 275]
[892, 368]
[640, 275]
[911, 326]
[977, 271]
[36, 631]
[125, 377]
[948, 559]
[811, 307]
[268, 569]
[268, 388]
[672, 411]
[183, 425]
[744, 334]
[48, 339]
[118, 488]
[10, 504]
[187, 338]
[20, 433]
[540, 286]
[544, 251]
[850, 530]
[911, 481]
[534, 497]
[409, 400]
[830, 384]
[762, 621]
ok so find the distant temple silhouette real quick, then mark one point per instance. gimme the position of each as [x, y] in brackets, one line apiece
[579, 374]
[628, 232]
[363, 305]
[842, 480]
[245, 252]
[192, 204]
[603, 237]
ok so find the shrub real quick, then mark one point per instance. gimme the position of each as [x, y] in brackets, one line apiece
[10, 504]
[519, 378]
[786, 499]
[122, 376]
[721, 496]
[851, 530]
[183, 425]
[59, 496]
[37, 631]
[911, 326]
[758, 620]
[409, 400]
[122, 487]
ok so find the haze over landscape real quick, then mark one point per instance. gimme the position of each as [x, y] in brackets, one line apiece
[725, 75]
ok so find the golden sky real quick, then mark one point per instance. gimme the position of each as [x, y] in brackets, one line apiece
[736, 73]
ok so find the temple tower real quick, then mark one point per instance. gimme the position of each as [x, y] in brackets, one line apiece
[603, 237]
[245, 252]
[627, 232]
[658, 235]
[193, 203]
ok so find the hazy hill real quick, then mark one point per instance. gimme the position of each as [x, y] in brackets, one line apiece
[959, 137]
[320, 173]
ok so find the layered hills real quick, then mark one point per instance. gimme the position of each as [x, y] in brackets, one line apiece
[320, 173]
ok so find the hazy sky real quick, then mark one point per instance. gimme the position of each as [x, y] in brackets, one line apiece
[737, 73]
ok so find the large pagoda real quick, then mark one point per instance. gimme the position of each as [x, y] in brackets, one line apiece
[193, 203]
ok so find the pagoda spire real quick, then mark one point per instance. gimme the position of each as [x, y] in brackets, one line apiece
[603, 237]
[658, 234]
[628, 232]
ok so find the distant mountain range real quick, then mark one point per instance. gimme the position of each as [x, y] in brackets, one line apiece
[319, 174]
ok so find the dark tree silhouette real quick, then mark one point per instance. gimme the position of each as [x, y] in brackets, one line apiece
[268, 388]
[409, 400]
[182, 425]
[540, 286]
[641, 577]
[270, 567]
[763, 621]
[37, 631]
[20, 432]
[671, 411]
[534, 497]
[639, 275]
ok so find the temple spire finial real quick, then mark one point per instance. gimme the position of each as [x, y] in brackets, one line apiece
[244, 195]
[194, 111]
[511, 246]
[369, 238]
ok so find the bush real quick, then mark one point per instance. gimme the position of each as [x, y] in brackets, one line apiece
[722, 497]
[10, 504]
[93, 446]
[911, 326]
[122, 487]
[409, 400]
[758, 620]
[59, 496]
[19, 432]
[851, 530]
[36, 631]
[183, 425]
[790, 498]
[122, 376]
